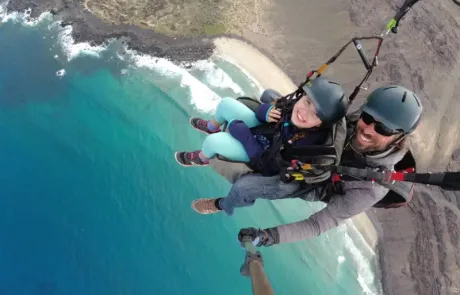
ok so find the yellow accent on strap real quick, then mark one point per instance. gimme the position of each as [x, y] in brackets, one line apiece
[391, 24]
[322, 69]
[298, 176]
[306, 167]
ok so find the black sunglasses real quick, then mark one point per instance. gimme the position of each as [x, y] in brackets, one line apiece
[379, 127]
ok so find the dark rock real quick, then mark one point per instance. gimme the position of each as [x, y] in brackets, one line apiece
[456, 155]
[88, 28]
[66, 23]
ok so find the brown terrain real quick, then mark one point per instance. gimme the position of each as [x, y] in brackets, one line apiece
[419, 246]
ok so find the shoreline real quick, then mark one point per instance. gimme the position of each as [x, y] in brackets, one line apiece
[255, 63]
[86, 27]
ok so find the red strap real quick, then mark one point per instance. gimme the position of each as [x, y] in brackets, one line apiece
[398, 176]
[335, 177]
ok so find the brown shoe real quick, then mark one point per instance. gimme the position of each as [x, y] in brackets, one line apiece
[205, 206]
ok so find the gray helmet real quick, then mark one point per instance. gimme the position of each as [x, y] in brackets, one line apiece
[395, 106]
[329, 98]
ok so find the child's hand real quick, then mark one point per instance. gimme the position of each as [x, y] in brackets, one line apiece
[274, 115]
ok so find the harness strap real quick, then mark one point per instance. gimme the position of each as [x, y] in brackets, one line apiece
[313, 151]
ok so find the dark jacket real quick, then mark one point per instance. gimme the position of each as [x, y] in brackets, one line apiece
[258, 140]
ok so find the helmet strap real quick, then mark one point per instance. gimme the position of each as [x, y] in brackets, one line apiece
[398, 140]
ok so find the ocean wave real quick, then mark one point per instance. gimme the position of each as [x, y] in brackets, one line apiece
[72, 49]
[362, 255]
[201, 96]
[217, 77]
[254, 82]
[23, 18]
[3, 11]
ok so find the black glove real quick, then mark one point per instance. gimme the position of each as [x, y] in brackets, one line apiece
[285, 176]
[266, 237]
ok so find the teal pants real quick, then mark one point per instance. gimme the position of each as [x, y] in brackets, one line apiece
[223, 143]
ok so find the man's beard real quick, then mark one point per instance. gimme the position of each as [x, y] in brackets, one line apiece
[354, 143]
[370, 150]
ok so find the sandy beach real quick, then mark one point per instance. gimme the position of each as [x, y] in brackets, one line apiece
[258, 66]
[261, 68]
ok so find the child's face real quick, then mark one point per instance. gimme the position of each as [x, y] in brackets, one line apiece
[304, 114]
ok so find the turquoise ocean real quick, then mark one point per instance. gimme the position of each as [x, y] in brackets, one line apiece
[91, 199]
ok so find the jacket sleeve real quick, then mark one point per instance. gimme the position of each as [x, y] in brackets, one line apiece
[341, 207]
[241, 132]
[262, 111]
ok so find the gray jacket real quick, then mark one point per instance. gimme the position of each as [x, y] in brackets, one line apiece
[358, 197]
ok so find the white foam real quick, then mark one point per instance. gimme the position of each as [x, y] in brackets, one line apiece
[53, 25]
[340, 259]
[3, 10]
[56, 56]
[203, 98]
[60, 73]
[216, 76]
[72, 49]
[365, 288]
[31, 22]
[361, 256]
[4, 17]
[121, 56]
[22, 17]
[255, 83]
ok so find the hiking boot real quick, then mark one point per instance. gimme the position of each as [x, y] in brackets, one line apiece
[202, 126]
[187, 159]
[205, 206]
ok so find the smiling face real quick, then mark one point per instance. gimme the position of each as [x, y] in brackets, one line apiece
[367, 140]
[304, 114]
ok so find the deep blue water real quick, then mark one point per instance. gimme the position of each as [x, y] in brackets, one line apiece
[92, 201]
